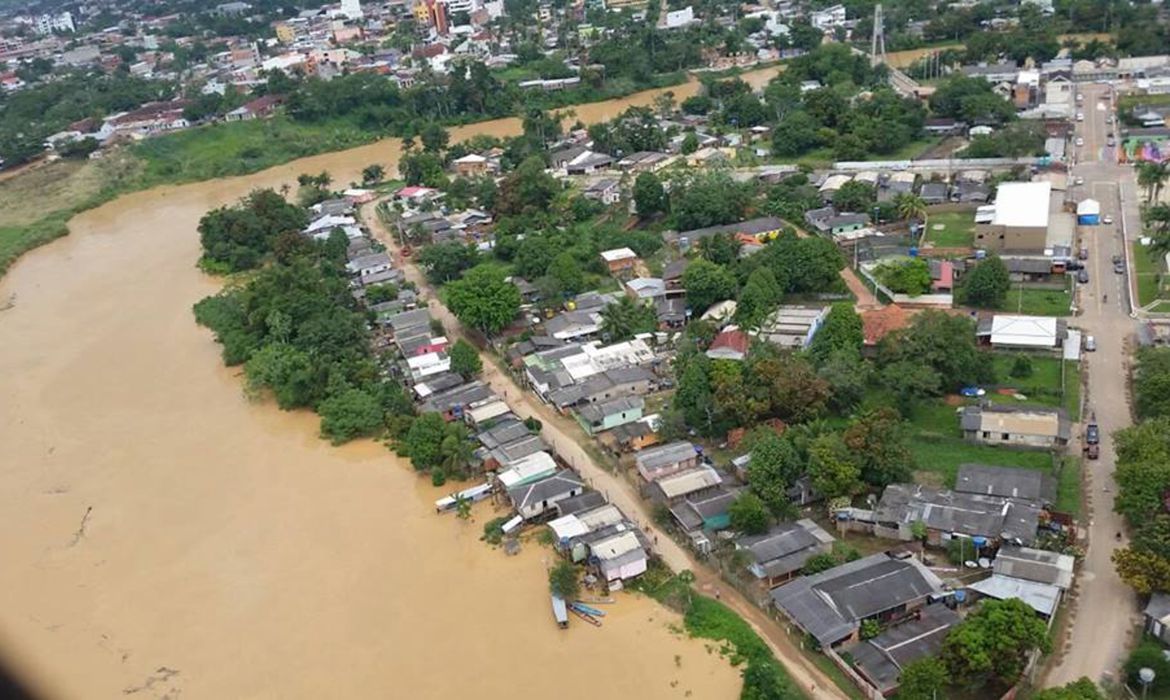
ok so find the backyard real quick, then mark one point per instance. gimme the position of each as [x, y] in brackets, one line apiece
[951, 229]
[1146, 272]
[1038, 300]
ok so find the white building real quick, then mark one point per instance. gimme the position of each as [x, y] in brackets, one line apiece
[352, 9]
[680, 18]
[47, 24]
[828, 18]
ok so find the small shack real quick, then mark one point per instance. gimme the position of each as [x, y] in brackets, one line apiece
[1088, 212]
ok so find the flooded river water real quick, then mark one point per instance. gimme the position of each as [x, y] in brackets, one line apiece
[163, 536]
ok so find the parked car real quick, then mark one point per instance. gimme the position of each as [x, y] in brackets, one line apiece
[1090, 343]
[1078, 180]
[1109, 142]
[1092, 433]
[1092, 451]
[1107, 219]
[1083, 276]
[1083, 253]
[1080, 141]
[1119, 267]
[1080, 116]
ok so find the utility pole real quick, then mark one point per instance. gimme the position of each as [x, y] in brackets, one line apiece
[877, 52]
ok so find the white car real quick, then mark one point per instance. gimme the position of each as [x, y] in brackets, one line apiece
[1107, 219]
[1080, 141]
[1080, 116]
[1078, 180]
[1090, 343]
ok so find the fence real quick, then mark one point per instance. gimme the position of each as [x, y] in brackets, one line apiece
[936, 163]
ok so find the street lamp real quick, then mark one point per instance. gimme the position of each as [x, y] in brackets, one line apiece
[1147, 676]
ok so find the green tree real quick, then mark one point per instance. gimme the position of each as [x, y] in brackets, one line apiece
[649, 197]
[1152, 177]
[350, 414]
[526, 190]
[847, 376]
[879, 441]
[818, 563]
[465, 359]
[1021, 366]
[444, 262]
[760, 295]
[456, 449]
[707, 283]
[911, 207]
[562, 581]
[434, 138]
[842, 330]
[833, 470]
[627, 318]
[484, 299]
[856, 197]
[1142, 570]
[764, 680]
[1148, 654]
[690, 144]
[923, 679]
[910, 382]
[905, 276]
[423, 442]
[749, 515]
[993, 642]
[373, 174]
[1151, 383]
[795, 134]
[775, 465]
[986, 286]
[240, 237]
[565, 269]
[283, 369]
[941, 342]
[790, 383]
[721, 249]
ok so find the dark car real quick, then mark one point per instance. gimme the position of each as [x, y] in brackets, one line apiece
[1092, 451]
[1119, 267]
[1083, 276]
[1092, 434]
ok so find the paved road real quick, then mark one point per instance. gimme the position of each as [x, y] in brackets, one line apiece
[566, 438]
[1105, 610]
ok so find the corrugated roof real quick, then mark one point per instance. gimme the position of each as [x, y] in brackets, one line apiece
[1022, 204]
[1041, 597]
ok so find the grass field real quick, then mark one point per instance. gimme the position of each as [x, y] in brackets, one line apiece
[1038, 301]
[958, 229]
[1145, 269]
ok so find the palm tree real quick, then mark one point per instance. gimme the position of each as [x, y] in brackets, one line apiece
[1152, 177]
[627, 318]
[910, 206]
[1157, 221]
[456, 450]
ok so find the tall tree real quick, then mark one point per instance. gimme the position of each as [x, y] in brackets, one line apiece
[748, 514]
[993, 642]
[707, 283]
[833, 469]
[649, 197]
[465, 359]
[627, 318]
[922, 680]
[484, 299]
[878, 438]
[987, 285]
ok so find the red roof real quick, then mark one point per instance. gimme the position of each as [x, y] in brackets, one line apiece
[879, 323]
[946, 275]
[733, 338]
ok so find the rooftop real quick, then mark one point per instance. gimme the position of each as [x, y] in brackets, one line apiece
[1009, 482]
[665, 456]
[1023, 204]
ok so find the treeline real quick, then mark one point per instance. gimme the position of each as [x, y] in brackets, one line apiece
[299, 334]
[1143, 477]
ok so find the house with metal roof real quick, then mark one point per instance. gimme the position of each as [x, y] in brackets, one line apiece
[1039, 565]
[689, 483]
[526, 470]
[793, 327]
[1018, 426]
[1042, 597]
[1157, 617]
[948, 514]
[779, 554]
[534, 500]
[596, 418]
[619, 557]
[707, 512]
[1023, 332]
[659, 462]
[831, 605]
[1008, 482]
[881, 660]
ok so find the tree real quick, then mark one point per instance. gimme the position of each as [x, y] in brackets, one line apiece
[484, 299]
[1151, 383]
[1148, 654]
[910, 381]
[350, 414]
[941, 342]
[627, 318]
[562, 581]
[708, 199]
[841, 330]
[774, 467]
[847, 376]
[434, 138]
[690, 144]
[790, 383]
[465, 360]
[444, 262]
[993, 642]
[879, 442]
[910, 276]
[855, 196]
[649, 197]
[1021, 366]
[910, 207]
[760, 295]
[764, 680]
[922, 680]
[565, 269]
[1142, 570]
[526, 190]
[1152, 177]
[707, 283]
[721, 248]
[986, 286]
[283, 369]
[423, 441]
[833, 470]
[795, 134]
[748, 514]
[455, 450]
[240, 237]
[818, 563]
[373, 174]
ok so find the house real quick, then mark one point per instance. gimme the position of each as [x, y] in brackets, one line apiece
[369, 264]
[259, 108]
[942, 276]
[730, 344]
[1041, 597]
[483, 413]
[453, 402]
[529, 292]
[708, 512]
[587, 163]
[578, 516]
[828, 18]
[528, 470]
[793, 327]
[1038, 565]
[833, 183]
[502, 434]
[1033, 268]
[631, 437]
[427, 364]
[1157, 617]
[417, 194]
[672, 275]
[471, 165]
[994, 73]
[778, 555]
[762, 228]
[831, 605]
[1022, 332]
[580, 504]
[933, 192]
[607, 191]
[947, 514]
[645, 161]
[720, 313]
[598, 417]
[619, 260]
[671, 312]
[646, 289]
[668, 459]
[688, 483]
[536, 499]
[943, 126]
[1021, 219]
[619, 557]
[881, 660]
[1006, 482]
[573, 325]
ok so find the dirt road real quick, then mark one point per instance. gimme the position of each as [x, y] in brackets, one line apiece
[566, 437]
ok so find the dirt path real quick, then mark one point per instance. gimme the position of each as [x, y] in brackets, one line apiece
[566, 438]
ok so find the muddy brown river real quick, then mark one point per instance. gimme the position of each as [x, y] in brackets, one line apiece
[162, 536]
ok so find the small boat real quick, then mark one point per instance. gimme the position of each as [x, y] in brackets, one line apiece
[578, 605]
[473, 494]
[512, 524]
[585, 616]
[560, 613]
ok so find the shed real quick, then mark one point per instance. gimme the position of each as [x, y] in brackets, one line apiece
[1088, 212]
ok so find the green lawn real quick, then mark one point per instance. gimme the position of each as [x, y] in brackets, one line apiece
[1043, 387]
[1068, 486]
[1037, 301]
[958, 229]
[1145, 269]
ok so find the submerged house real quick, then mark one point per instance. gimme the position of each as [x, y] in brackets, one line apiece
[538, 498]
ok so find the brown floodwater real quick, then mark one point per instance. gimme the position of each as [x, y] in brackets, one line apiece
[162, 535]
